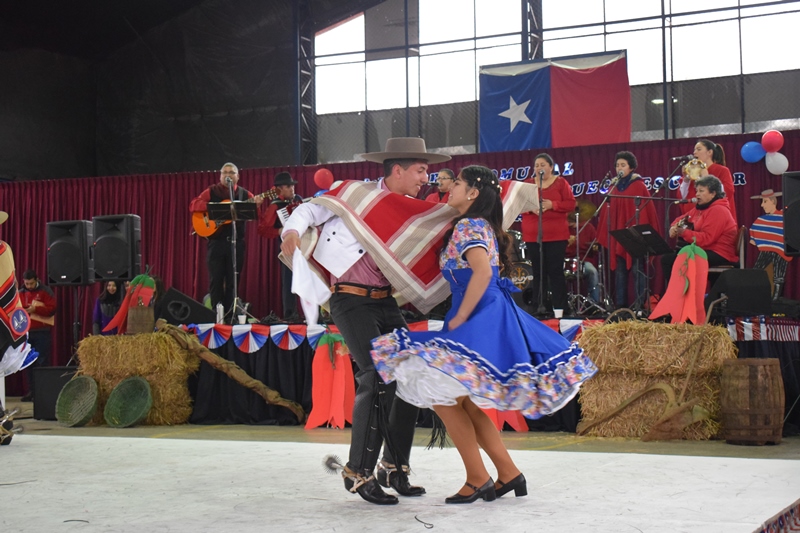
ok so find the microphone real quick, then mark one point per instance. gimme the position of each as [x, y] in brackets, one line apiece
[682, 157]
[228, 180]
[620, 175]
[685, 201]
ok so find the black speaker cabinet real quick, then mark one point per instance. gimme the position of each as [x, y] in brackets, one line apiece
[748, 290]
[69, 254]
[177, 308]
[791, 212]
[117, 247]
[49, 382]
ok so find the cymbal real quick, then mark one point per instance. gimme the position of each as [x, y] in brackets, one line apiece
[586, 209]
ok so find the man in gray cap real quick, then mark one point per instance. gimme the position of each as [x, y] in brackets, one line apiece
[363, 308]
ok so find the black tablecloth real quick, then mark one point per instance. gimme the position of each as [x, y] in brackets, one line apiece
[220, 400]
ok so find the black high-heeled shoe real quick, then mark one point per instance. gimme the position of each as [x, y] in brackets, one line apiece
[518, 485]
[485, 491]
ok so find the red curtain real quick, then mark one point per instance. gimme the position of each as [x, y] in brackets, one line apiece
[179, 258]
[590, 106]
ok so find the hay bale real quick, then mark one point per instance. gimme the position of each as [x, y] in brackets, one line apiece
[632, 356]
[604, 392]
[654, 349]
[157, 357]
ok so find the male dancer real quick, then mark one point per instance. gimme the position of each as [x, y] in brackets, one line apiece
[363, 308]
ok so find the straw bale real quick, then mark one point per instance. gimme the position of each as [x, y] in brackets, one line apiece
[605, 391]
[157, 357]
[655, 349]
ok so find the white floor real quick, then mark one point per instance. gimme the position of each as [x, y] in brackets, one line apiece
[111, 484]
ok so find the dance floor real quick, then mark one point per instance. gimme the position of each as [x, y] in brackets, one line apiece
[184, 480]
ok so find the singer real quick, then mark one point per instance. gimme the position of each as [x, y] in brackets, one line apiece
[622, 214]
[713, 156]
[444, 182]
[219, 257]
[557, 201]
[710, 223]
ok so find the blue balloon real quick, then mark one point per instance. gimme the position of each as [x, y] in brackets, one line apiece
[753, 152]
[323, 191]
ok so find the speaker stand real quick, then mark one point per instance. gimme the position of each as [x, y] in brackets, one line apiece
[76, 324]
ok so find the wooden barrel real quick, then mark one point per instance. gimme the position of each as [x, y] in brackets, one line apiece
[140, 319]
[751, 401]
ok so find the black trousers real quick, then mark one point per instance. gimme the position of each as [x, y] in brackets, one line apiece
[360, 319]
[288, 299]
[219, 260]
[554, 279]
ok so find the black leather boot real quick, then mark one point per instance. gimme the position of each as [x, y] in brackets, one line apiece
[388, 477]
[367, 487]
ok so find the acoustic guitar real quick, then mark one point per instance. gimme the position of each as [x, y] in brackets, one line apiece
[206, 227]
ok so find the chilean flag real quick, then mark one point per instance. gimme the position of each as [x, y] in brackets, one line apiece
[552, 103]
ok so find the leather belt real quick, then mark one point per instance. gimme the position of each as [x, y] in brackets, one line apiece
[371, 292]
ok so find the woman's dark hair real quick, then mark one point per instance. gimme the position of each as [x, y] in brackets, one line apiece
[713, 185]
[628, 157]
[547, 158]
[450, 173]
[489, 206]
[718, 154]
[108, 298]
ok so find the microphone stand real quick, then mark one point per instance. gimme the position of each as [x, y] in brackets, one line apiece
[234, 237]
[540, 310]
[605, 265]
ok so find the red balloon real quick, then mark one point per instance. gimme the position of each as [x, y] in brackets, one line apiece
[772, 141]
[323, 178]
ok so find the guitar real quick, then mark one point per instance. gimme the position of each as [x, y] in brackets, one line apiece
[204, 226]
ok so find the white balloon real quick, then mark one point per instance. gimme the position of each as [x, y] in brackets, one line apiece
[777, 163]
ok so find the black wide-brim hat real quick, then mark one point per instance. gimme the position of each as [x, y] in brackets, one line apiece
[284, 178]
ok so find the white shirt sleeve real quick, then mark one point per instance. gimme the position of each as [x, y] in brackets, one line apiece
[306, 216]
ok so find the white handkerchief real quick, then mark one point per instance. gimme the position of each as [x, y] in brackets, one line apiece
[307, 285]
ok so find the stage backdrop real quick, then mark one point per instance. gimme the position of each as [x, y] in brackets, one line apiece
[179, 257]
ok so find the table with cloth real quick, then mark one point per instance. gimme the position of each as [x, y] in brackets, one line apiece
[307, 364]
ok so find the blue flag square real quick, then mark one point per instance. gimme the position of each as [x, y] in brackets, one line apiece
[515, 111]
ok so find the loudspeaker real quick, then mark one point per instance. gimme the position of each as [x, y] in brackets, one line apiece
[791, 212]
[69, 254]
[117, 247]
[49, 382]
[177, 308]
[748, 290]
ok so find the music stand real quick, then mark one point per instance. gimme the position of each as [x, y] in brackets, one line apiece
[236, 211]
[642, 241]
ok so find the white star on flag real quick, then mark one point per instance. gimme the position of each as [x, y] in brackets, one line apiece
[516, 113]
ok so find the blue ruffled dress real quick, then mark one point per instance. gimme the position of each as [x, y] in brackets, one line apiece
[501, 357]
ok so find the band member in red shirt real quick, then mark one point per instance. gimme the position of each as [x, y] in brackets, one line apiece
[557, 200]
[270, 226]
[713, 157]
[444, 182]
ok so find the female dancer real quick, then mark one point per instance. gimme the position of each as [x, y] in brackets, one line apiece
[713, 157]
[557, 201]
[491, 354]
[622, 212]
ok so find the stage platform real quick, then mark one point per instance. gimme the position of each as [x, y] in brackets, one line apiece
[270, 478]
